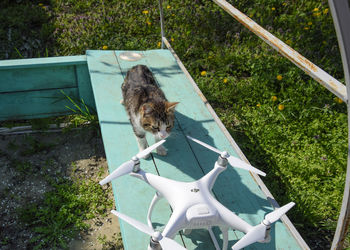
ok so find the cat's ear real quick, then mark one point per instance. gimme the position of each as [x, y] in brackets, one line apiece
[147, 109]
[170, 106]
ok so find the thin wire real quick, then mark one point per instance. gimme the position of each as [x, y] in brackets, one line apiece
[161, 21]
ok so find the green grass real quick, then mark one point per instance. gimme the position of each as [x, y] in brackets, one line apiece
[302, 145]
[63, 211]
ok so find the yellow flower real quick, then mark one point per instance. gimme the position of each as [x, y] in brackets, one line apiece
[289, 42]
[172, 39]
[280, 107]
[225, 80]
[284, 4]
[274, 98]
[258, 105]
[325, 11]
[148, 22]
[273, 8]
[168, 7]
[279, 77]
[40, 4]
[316, 9]
[159, 44]
[316, 14]
[145, 12]
[309, 23]
[105, 47]
[306, 28]
[338, 100]
[203, 73]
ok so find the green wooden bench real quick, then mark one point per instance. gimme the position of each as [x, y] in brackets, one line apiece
[22, 96]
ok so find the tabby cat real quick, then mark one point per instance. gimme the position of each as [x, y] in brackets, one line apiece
[147, 107]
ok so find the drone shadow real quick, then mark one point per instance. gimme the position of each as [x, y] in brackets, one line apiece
[235, 189]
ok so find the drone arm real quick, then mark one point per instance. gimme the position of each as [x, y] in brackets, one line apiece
[209, 179]
[155, 199]
[224, 231]
[230, 219]
[176, 223]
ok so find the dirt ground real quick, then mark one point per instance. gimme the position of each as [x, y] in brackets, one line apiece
[78, 153]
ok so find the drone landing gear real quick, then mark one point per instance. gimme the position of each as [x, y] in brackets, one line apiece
[155, 199]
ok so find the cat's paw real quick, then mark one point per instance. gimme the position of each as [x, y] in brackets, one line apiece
[161, 151]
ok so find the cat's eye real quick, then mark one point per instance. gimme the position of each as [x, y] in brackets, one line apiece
[168, 127]
[146, 125]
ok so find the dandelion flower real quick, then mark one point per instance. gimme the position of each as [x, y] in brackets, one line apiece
[225, 80]
[279, 77]
[168, 7]
[273, 8]
[325, 11]
[284, 4]
[316, 14]
[309, 23]
[315, 10]
[145, 12]
[338, 100]
[40, 4]
[172, 39]
[280, 107]
[274, 98]
[306, 28]
[203, 73]
[148, 22]
[105, 47]
[258, 105]
[159, 44]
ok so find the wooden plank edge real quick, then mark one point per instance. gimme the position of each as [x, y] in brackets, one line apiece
[42, 62]
[256, 177]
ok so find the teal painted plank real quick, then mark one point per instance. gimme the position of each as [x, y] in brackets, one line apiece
[179, 164]
[132, 195]
[84, 86]
[236, 189]
[43, 62]
[25, 79]
[35, 104]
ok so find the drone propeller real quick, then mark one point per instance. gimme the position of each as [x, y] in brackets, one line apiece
[234, 161]
[165, 242]
[128, 166]
[258, 233]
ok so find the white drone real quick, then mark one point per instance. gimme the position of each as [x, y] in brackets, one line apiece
[193, 205]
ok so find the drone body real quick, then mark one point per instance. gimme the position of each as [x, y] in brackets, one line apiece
[193, 205]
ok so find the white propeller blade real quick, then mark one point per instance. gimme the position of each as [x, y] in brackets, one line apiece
[149, 149]
[258, 232]
[165, 242]
[128, 166]
[135, 223]
[234, 161]
[254, 235]
[123, 169]
[277, 214]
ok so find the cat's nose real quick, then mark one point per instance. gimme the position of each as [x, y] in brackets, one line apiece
[163, 135]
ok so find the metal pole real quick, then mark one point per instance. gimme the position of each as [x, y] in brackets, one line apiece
[341, 19]
[161, 21]
[303, 63]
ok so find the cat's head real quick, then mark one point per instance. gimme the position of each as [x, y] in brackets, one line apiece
[158, 118]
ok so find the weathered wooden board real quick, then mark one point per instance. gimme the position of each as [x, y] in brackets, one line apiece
[186, 161]
[31, 88]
